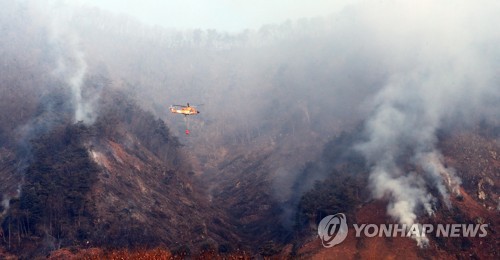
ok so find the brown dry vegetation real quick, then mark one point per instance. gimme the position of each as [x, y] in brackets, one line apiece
[263, 165]
[473, 155]
[141, 254]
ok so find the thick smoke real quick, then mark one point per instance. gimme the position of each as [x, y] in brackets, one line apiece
[446, 76]
[411, 69]
[416, 68]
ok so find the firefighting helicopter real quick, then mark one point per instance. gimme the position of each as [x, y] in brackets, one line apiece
[186, 111]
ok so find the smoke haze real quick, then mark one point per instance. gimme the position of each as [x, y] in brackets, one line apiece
[403, 70]
[446, 74]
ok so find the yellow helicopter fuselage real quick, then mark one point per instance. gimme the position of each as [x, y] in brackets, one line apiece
[184, 110]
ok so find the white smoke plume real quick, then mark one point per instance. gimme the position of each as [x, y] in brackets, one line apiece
[71, 64]
[5, 205]
[84, 107]
[6, 197]
[440, 71]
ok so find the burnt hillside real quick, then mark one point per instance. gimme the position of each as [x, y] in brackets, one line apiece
[387, 111]
[472, 153]
[122, 182]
